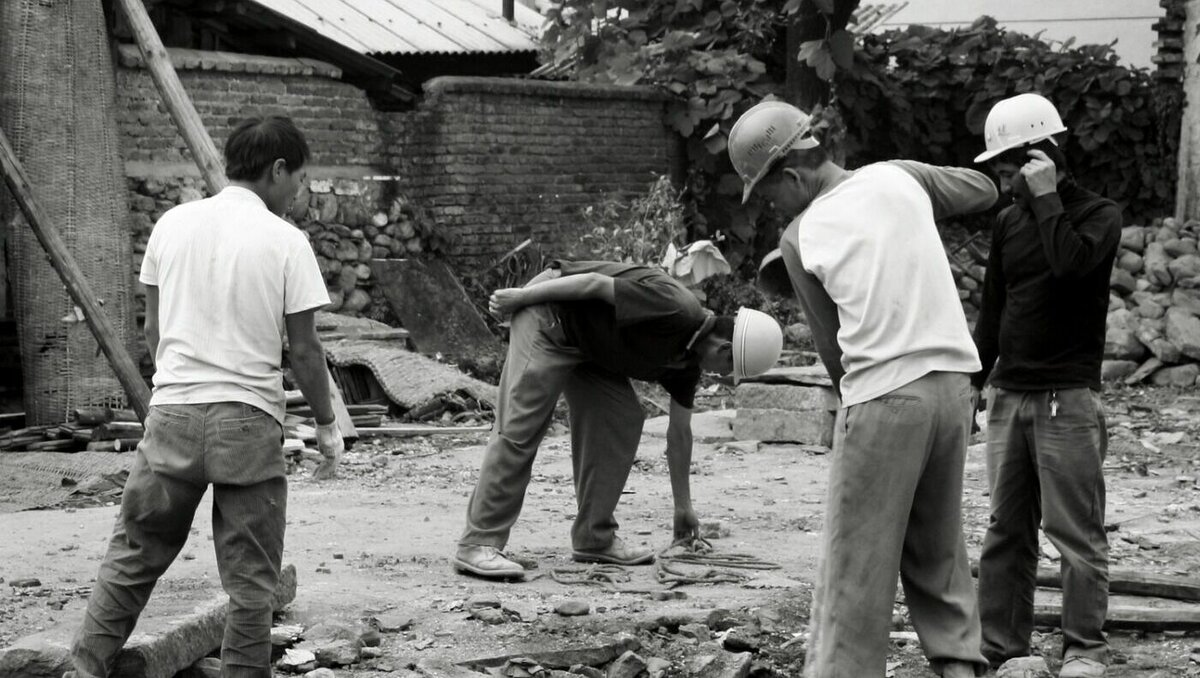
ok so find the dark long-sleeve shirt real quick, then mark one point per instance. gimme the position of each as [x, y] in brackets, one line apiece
[1045, 294]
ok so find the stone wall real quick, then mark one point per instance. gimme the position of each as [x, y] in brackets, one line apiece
[1154, 308]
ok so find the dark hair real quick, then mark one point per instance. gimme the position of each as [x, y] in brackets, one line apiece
[1020, 155]
[723, 327]
[256, 143]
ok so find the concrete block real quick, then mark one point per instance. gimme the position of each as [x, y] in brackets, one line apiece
[812, 427]
[165, 642]
[754, 396]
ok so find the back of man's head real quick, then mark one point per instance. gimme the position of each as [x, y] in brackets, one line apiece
[256, 143]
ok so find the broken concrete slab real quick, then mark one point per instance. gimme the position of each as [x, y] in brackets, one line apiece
[433, 306]
[711, 661]
[714, 426]
[181, 633]
[628, 665]
[598, 655]
[810, 375]
[814, 427]
[784, 397]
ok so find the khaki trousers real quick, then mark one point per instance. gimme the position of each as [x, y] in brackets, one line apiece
[1046, 470]
[238, 449]
[894, 507]
[606, 426]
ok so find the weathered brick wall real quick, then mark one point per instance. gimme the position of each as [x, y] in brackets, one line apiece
[336, 117]
[500, 160]
[484, 162]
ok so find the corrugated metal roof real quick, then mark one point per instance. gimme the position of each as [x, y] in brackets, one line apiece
[416, 26]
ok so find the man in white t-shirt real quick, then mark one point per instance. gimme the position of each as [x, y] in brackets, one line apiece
[225, 278]
[864, 257]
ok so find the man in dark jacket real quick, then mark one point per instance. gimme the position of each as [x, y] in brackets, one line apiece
[1041, 341]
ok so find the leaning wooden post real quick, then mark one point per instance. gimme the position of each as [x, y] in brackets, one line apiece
[77, 285]
[179, 104]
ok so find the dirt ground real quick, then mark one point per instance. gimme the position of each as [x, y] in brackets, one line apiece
[378, 539]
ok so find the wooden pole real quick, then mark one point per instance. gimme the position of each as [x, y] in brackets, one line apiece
[77, 285]
[179, 104]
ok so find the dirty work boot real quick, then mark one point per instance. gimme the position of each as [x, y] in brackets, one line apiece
[1078, 666]
[617, 553]
[486, 561]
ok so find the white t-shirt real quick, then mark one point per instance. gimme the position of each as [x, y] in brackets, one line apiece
[227, 272]
[872, 243]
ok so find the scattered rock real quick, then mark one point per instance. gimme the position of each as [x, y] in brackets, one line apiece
[338, 653]
[714, 529]
[480, 600]
[718, 664]
[587, 671]
[668, 594]
[1116, 370]
[1182, 375]
[371, 652]
[521, 611]
[370, 638]
[628, 665]
[393, 622]
[1122, 280]
[297, 661]
[1183, 330]
[26, 583]
[698, 632]
[1133, 238]
[320, 673]
[657, 666]
[489, 615]
[573, 608]
[1157, 262]
[741, 639]
[1024, 667]
[1130, 261]
[286, 636]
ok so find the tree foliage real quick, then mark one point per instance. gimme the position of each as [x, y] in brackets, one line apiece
[924, 93]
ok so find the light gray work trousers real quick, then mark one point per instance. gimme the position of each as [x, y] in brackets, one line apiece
[606, 426]
[239, 450]
[894, 506]
[1046, 470]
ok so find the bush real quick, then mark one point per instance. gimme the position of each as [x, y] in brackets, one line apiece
[924, 93]
[633, 231]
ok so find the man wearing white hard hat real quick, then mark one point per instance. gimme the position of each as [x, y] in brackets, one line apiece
[863, 255]
[584, 329]
[1041, 341]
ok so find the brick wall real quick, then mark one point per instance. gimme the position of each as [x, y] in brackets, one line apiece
[487, 162]
[497, 161]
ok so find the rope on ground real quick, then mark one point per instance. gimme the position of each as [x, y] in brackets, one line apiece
[696, 551]
[602, 574]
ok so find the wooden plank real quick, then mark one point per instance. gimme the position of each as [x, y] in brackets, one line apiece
[1128, 582]
[344, 421]
[406, 430]
[1133, 617]
[176, 98]
[77, 285]
[115, 430]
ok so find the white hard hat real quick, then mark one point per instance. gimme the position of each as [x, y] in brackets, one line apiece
[757, 343]
[764, 134]
[1019, 121]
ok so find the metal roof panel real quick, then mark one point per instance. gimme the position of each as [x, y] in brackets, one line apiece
[416, 26]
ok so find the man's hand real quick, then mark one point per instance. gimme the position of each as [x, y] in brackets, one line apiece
[331, 446]
[1040, 174]
[507, 301]
[687, 525]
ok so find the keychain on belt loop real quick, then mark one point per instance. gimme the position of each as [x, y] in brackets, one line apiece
[1053, 403]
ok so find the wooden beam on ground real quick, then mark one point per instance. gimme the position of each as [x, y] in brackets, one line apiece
[72, 276]
[1128, 582]
[176, 98]
[1132, 617]
[408, 430]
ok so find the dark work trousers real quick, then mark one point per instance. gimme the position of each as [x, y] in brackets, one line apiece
[1045, 467]
[239, 450]
[895, 507]
[606, 426]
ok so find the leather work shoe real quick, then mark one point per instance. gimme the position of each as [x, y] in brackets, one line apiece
[1078, 666]
[617, 553]
[487, 562]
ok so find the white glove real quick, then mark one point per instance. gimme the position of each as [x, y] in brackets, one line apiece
[331, 446]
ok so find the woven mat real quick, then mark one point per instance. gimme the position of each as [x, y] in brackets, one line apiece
[32, 480]
[409, 379]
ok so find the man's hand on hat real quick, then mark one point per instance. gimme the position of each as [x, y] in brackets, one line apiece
[507, 301]
[1040, 174]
